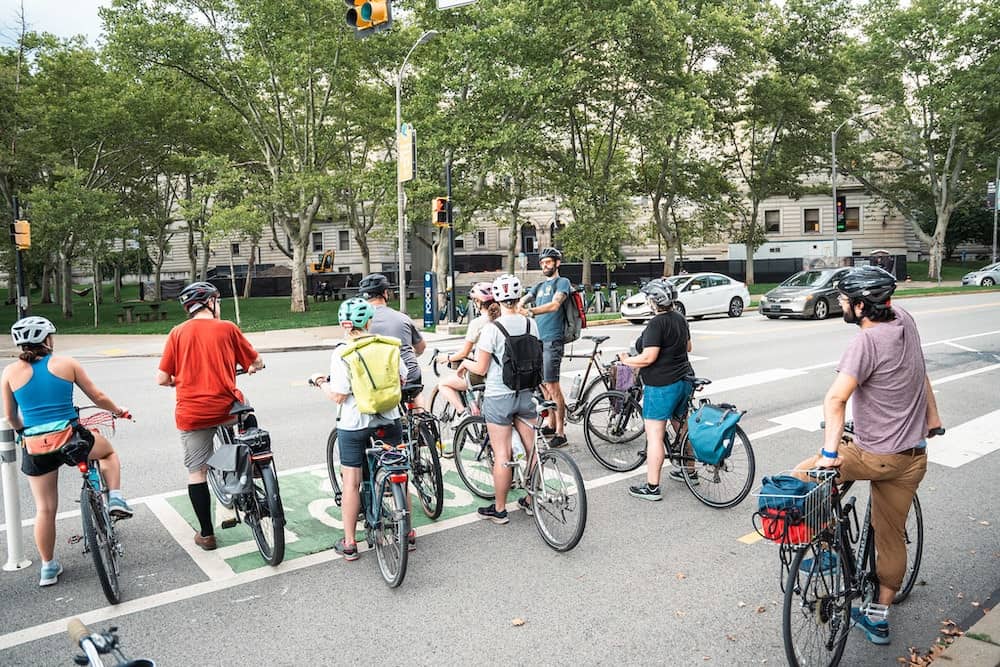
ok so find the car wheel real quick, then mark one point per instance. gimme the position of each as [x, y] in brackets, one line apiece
[821, 310]
[988, 282]
[735, 307]
[635, 321]
[697, 317]
[771, 317]
[679, 307]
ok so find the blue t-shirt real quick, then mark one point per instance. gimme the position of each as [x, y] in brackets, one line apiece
[550, 325]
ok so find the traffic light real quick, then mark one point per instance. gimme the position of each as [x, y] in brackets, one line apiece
[20, 232]
[841, 213]
[439, 211]
[368, 16]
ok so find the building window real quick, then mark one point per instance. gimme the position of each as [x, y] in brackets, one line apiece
[772, 222]
[853, 219]
[811, 218]
[480, 239]
[317, 239]
[343, 240]
[459, 243]
[234, 248]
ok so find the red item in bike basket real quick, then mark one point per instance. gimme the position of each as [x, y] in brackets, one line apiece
[778, 526]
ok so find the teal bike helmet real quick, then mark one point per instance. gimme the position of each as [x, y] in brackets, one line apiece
[357, 311]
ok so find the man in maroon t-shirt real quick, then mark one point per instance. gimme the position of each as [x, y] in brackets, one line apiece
[894, 410]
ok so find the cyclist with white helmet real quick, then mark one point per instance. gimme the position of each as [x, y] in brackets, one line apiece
[355, 428]
[200, 359]
[38, 398]
[503, 407]
[663, 365]
[482, 294]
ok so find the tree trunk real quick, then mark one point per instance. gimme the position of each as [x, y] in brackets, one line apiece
[669, 255]
[749, 269]
[232, 281]
[157, 272]
[46, 283]
[441, 265]
[67, 286]
[96, 268]
[118, 282]
[251, 267]
[206, 252]
[299, 277]
[585, 274]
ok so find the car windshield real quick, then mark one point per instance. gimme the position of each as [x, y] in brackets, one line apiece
[677, 281]
[991, 267]
[806, 279]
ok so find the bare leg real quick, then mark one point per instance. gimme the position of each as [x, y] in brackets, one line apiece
[557, 420]
[500, 441]
[656, 431]
[350, 502]
[111, 465]
[45, 489]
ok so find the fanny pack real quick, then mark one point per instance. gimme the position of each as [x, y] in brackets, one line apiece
[47, 438]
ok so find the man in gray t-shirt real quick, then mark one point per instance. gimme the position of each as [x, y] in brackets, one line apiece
[389, 322]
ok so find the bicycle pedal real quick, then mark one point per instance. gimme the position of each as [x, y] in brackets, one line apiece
[229, 523]
[74, 539]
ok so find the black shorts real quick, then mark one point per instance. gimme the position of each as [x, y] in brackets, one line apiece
[42, 464]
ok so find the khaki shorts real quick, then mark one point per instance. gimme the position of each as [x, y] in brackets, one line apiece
[198, 447]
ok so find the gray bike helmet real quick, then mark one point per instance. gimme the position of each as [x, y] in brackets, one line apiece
[871, 284]
[373, 285]
[196, 295]
[550, 253]
[32, 330]
[660, 293]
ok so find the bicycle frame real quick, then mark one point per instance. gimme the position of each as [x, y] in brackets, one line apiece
[594, 360]
[396, 474]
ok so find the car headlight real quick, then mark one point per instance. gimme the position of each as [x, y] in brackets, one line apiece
[763, 299]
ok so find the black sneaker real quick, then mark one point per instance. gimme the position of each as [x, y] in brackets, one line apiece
[646, 492]
[525, 505]
[348, 551]
[558, 441]
[490, 512]
[411, 541]
[548, 431]
[678, 476]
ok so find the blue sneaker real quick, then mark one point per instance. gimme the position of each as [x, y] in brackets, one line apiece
[118, 508]
[876, 631]
[828, 563]
[50, 573]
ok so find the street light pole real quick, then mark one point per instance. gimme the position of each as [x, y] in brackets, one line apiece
[401, 252]
[996, 207]
[833, 172]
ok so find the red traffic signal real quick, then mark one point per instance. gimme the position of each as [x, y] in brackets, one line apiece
[439, 211]
[368, 16]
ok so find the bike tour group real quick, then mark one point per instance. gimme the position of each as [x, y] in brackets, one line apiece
[507, 413]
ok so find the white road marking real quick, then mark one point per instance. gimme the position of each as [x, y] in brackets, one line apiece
[714, 332]
[961, 347]
[966, 442]
[213, 566]
[750, 380]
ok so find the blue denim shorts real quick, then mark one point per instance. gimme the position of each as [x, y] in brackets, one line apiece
[667, 402]
[552, 355]
[352, 444]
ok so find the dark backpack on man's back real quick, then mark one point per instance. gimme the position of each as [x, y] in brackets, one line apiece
[522, 359]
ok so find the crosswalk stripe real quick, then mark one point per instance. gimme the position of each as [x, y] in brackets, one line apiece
[966, 442]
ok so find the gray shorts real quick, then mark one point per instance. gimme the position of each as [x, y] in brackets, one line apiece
[552, 354]
[198, 447]
[502, 409]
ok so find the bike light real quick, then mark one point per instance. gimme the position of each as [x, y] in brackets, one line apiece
[398, 478]
[380, 433]
[545, 413]
[83, 467]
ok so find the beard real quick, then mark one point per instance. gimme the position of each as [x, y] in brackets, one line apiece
[850, 317]
[549, 272]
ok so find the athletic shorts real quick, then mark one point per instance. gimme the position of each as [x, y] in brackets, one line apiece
[667, 402]
[352, 444]
[198, 447]
[502, 409]
[552, 354]
[42, 464]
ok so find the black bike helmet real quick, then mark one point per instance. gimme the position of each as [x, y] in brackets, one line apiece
[549, 253]
[196, 295]
[372, 286]
[871, 284]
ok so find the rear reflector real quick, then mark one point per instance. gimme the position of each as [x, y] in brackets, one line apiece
[398, 478]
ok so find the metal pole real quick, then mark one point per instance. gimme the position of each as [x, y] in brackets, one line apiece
[22, 298]
[833, 180]
[401, 239]
[996, 205]
[11, 498]
[451, 242]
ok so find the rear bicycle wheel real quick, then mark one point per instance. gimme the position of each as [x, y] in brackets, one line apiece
[391, 531]
[223, 436]
[332, 461]
[266, 515]
[558, 500]
[445, 415]
[428, 482]
[612, 426]
[816, 614]
[726, 484]
[99, 538]
[914, 535]
[474, 457]
[590, 392]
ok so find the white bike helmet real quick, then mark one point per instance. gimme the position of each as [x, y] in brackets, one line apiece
[31, 330]
[506, 288]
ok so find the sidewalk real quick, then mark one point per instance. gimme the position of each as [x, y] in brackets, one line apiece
[978, 647]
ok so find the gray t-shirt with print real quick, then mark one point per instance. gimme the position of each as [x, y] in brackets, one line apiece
[890, 403]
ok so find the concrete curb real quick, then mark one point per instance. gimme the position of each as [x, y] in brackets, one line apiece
[980, 645]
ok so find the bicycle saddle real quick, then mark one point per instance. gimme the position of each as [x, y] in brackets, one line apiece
[597, 339]
[240, 408]
[698, 382]
[411, 391]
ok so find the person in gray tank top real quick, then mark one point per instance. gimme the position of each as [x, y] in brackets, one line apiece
[389, 322]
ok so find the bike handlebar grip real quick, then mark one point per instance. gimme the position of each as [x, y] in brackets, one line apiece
[77, 631]
[935, 431]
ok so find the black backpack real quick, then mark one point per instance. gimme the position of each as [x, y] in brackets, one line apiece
[522, 359]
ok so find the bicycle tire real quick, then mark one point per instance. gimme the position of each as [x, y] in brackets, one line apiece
[563, 493]
[428, 480]
[222, 436]
[473, 460]
[915, 554]
[332, 459]
[391, 531]
[611, 425]
[445, 415]
[593, 388]
[99, 536]
[727, 484]
[266, 515]
[827, 609]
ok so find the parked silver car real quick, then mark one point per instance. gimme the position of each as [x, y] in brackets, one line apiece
[988, 276]
[811, 293]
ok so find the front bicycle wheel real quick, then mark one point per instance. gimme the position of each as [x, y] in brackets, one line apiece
[391, 530]
[726, 484]
[590, 392]
[914, 535]
[558, 500]
[223, 436]
[612, 425]
[816, 615]
[428, 481]
[474, 457]
[445, 415]
[332, 461]
[100, 540]
[266, 515]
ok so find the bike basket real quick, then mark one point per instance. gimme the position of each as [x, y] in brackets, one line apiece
[793, 512]
[257, 439]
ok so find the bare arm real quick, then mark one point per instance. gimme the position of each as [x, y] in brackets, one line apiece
[88, 387]
[461, 354]
[689, 345]
[164, 379]
[480, 366]
[835, 409]
[10, 404]
[933, 416]
[420, 347]
[643, 359]
[551, 306]
[256, 365]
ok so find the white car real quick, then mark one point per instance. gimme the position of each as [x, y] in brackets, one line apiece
[988, 276]
[698, 294]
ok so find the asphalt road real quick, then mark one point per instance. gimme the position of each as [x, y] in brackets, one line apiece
[669, 582]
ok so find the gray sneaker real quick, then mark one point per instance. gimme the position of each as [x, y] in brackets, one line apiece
[50, 573]
[678, 476]
[119, 509]
[646, 492]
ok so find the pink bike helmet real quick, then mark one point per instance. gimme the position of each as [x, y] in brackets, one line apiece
[482, 291]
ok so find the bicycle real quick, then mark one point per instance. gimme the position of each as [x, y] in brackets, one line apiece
[462, 310]
[472, 399]
[549, 477]
[826, 572]
[243, 477]
[579, 398]
[613, 423]
[96, 644]
[100, 538]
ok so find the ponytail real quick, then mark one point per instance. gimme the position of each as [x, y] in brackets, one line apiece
[32, 353]
[493, 310]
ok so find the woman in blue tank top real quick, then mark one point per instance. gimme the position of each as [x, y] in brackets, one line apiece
[38, 394]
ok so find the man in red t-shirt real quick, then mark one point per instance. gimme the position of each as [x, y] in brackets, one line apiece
[200, 360]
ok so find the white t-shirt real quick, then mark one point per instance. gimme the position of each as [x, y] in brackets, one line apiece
[476, 328]
[492, 342]
[350, 418]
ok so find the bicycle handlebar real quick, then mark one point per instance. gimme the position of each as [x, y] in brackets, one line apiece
[434, 361]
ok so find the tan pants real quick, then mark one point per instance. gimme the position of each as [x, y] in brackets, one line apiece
[894, 481]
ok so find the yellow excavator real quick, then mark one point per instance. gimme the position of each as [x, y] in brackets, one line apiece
[324, 265]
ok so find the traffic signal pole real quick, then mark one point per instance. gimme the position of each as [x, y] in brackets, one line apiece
[451, 241]
[22, 298]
